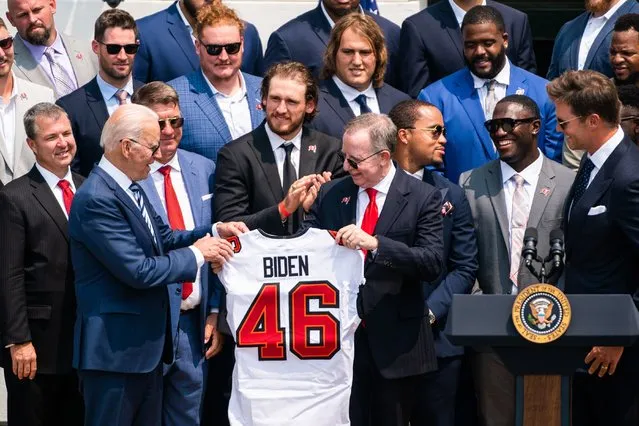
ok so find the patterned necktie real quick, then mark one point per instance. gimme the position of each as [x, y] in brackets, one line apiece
[491, 99]
[174, 213]
[139, 200]
[63, 83]
[121, 95]
[518, 220]
[581, 181]
[363, 106]
[67, 194]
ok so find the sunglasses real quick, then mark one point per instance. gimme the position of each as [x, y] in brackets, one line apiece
[355, 163]
[562, 124]
[153, 149]
[435, 131]
[216, 49]
[114, 49]
[6, 43]
[506, 124]
[174, 122]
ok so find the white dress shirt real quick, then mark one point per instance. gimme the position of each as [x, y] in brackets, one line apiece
[194, 298]
[108, 93]
[8, 123]
[592, 30]
[234, 107]
[187, 24]
[459, 12]
[502, 81]
[600, 156]
[61, 57]
[328, 18]
[52, 181]
[419, 174]
[350, 93]
[382, 191]
[280, 154]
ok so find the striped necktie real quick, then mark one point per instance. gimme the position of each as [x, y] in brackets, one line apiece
[139, 200]
[63, 83]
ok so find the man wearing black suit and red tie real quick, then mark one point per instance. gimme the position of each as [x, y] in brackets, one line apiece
[37, 297]
[397, 221]
[601, 227]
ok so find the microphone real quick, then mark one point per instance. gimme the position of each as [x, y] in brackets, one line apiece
[113, 3]
[556, 247]
[529, 252]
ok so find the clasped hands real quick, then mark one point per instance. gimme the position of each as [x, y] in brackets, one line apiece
[304, 191]
[217, 251]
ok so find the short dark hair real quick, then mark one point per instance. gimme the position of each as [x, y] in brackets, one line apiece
[113, 18]
[629, 95]
[293, 71]
[406, 113]
[484, 15]
[528, 104]
[629, 21]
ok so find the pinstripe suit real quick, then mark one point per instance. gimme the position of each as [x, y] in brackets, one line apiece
[205, 130]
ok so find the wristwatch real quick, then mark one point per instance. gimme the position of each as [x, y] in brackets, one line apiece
[431, 317]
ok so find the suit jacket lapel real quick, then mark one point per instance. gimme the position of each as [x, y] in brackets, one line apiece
[348, 202]
[495, 189]
[20, 141]
[253, 98]
[545, 188]
[309, 149]
[384, 100]
[574, 45]
[518, 84]
[469, 99]
[449, 23]
[320, 25]
[190, 175]
[45, 197]
[30, 68]
[82, 71]
[148, 185]
[394, 204]
[266, 159]
[97, 104]
[178, 31]
[207, 103]
[336, 100]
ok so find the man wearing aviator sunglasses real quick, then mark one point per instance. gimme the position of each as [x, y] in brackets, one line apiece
[115, 45]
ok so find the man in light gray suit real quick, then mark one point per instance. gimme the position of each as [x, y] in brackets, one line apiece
[522, 189]
[45, 56]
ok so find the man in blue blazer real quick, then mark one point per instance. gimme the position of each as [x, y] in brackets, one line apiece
[167, 44]
[184, 180]
[431, 42]
[221, 103]
[124, 256]
[304, 38]
[421, 143]
[467, 100]
[354, 84]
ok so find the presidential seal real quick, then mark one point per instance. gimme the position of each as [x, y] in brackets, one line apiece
[541, 313]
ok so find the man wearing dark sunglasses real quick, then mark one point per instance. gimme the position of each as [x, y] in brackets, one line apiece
[89, 107]
[44, 55]
[220, 102]
[521, 189]
[629, 97]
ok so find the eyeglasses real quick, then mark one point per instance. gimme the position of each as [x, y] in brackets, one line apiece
[114, 49]
[216, 49]
[506, 124]
[355, 163]
[6, 43]
[562, 124]
[435, 131]
[630, 117]
[174, 122]
[153, 149]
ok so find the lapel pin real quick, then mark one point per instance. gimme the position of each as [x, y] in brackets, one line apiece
[312, 148]
[258, 106]
[520, 91]
[79, 56]
[545, 191]
[23, 96]
[346, 200]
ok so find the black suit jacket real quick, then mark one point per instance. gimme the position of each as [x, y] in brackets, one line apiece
[602, 250]
[247, 185]
[37, 296]
[334, 111]
[88, 113]
[432, 48]
[410, 251]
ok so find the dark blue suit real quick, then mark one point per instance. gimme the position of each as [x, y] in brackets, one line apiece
[469, 144]
[167, 50]
[87, 112]
[565, 53]
[334, 111]
[122, 329]
[304, 39]
[432, 47]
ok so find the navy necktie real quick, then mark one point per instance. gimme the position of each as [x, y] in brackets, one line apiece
[363, 106]
[581, 181]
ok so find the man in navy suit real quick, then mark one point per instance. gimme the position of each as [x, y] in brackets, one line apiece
[431, 42]
[397, 221]
[180, 189]
[353, 75]
[601, 228]
[304, 38]
[167, 44]
[468, 97]
[221, 102]
[124, 257]
[421, 142]
[115, 44]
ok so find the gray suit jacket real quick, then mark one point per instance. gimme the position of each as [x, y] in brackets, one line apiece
[83, 61]
[29, 94]
[485, 193]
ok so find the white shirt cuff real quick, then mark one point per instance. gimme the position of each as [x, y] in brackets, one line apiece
[199, 257]
[214, 311]
[214, 232]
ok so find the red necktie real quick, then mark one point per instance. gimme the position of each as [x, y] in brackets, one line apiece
[370, 214]
[174, 214]
[67, 194]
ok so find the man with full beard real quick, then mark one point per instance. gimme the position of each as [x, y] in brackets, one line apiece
[115, 45]
[468, 97]
[624, 50]
[44, 55]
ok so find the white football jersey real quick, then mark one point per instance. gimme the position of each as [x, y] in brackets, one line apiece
[292, 305]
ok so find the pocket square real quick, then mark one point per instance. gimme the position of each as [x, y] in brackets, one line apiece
[594, 211]
[207, 197]
[447, 208]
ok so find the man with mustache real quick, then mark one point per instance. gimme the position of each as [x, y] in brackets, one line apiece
[629, 97]
[43, 54]
[624, 50]
[115, 45]
[468, 97]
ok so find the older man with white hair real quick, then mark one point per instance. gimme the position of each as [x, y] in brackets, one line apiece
[124, 257]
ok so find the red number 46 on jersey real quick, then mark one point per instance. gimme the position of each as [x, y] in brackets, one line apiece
[261, 326]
